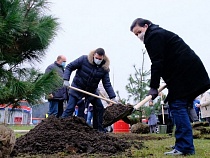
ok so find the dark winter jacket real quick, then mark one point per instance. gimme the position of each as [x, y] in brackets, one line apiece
[61, 92]
[174, 61]
[88, 75]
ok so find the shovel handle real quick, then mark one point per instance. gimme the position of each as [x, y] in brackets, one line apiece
[147, 98]
[91, 94]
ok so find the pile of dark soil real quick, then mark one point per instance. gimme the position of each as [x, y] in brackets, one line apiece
[116, 112]
[7, 141]
[201, 130]
[198, 124]
[140, 128]
[71, 135]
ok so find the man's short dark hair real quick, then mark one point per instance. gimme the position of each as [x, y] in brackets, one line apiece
[141, 22]
[100, 51]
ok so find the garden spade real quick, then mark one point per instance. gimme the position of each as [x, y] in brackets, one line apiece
[129, 110]
[91, 94]
[162, 104]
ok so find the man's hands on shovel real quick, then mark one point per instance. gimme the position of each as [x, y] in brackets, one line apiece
[153, 92]
[66, 83]
[114, 100]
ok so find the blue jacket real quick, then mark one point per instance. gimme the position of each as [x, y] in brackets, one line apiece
[88, 75]
[195, 107]
[61, 92]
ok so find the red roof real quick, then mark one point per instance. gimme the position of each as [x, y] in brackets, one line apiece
[23, 105]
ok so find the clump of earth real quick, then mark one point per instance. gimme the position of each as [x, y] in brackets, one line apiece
[116, 112]
[69, 135]
[140, 128]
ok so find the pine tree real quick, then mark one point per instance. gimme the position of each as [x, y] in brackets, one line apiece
[138, 83]
[25, 34]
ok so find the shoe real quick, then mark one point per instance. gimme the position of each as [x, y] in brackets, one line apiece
[173, 153]
[172, 146]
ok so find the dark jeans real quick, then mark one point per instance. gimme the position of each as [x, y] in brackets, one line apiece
[81, 108]
[183, 133]
[89, 117]
[60, 108]
[55, 107]
[98, 111]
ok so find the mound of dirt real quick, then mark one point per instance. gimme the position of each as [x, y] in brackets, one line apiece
[71, 135]
[116, 112]
[140, 128]
[7, 141]
[200, 124]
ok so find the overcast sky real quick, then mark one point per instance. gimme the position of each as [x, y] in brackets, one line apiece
[88, 24]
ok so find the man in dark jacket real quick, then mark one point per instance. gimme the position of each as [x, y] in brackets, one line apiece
[174, 61]
[90, 69]
[56, 98]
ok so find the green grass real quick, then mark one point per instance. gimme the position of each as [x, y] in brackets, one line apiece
[156, 148]
[21, 127]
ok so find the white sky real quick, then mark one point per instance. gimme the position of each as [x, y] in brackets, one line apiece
[88, 24]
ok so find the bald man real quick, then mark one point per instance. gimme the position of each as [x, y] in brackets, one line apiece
[57, 98]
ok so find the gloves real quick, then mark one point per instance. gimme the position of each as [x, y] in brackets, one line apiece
[115, 100]
[66, 83]
[153, 92]
[85, 111]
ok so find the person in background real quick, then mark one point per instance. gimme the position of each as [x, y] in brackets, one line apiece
[177, 64]
[205, 106]
[81, 108]
[57, 98]
[76, 110]
[167, 118]
[89, 114]
[90, 69]
[102, 92]
[152, 120]
[197, 109]
[192, 114]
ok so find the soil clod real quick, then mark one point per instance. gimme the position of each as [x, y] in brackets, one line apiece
[116, 112]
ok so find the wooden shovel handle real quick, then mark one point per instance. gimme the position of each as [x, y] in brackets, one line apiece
[147, 98]
[91, 94]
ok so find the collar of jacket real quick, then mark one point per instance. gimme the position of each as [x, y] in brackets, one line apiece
[58, 65]
[151, 28]
[105, 63]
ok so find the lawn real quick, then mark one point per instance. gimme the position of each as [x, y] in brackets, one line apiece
[155, 149]
[21, 127]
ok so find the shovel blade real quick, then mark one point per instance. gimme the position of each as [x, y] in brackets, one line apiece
[115, 113]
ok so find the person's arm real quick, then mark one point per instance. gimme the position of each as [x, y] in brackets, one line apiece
[155, 48]
[107, 86]
[49, 69]
[76, 64]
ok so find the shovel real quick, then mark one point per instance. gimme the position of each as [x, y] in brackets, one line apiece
[91, 94]
[162, 104]
[129, 111]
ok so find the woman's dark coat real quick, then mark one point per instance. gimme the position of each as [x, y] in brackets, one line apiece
[88, 75]
[174, 61]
